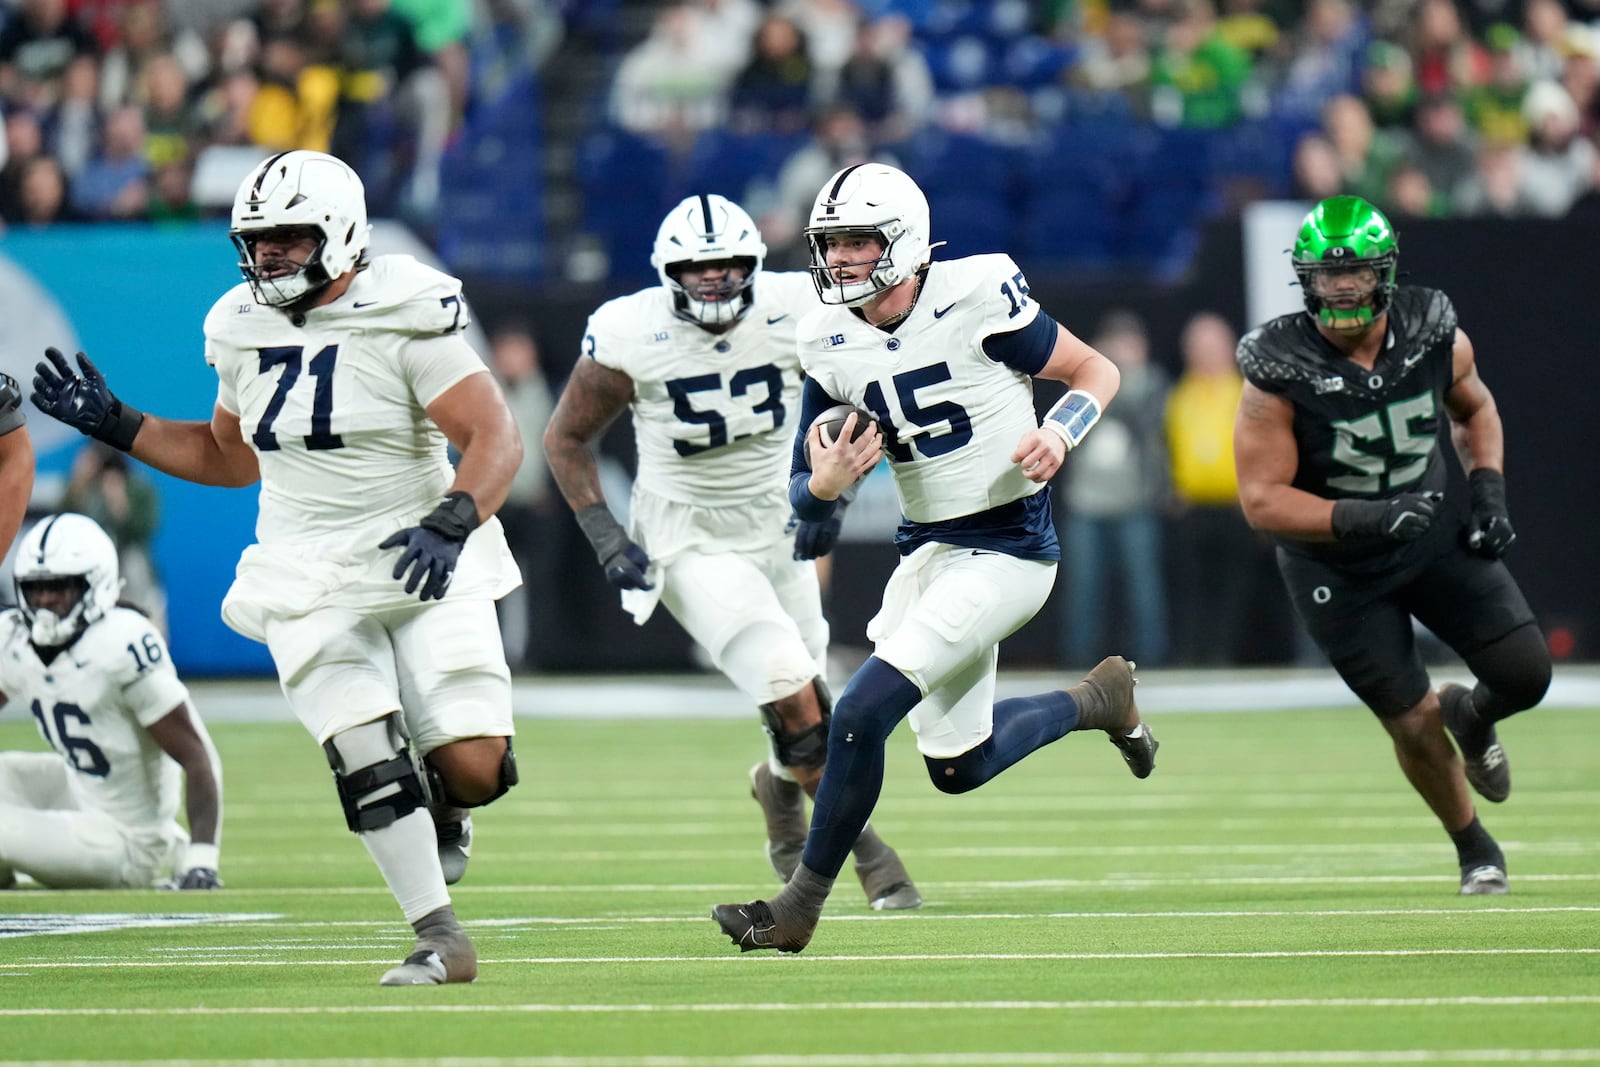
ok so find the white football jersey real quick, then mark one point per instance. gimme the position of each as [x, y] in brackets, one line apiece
[92, 704]
[335, 409]
[956, 414]
[713, 414]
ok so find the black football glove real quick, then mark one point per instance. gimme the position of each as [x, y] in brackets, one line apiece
[1490, 532]
[199, 878]
[816, 539]
[625, 563]
[1400, 518]
[81, 399]
[432, 547]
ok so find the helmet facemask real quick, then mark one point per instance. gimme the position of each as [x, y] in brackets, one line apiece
[272, 285]
[54, 607]
[705, 232]
[1346, 257]
[300, 194]
[65, 577]
[874, 201]
[712, 302]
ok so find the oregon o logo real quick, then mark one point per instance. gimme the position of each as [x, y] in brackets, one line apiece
[1322, 594]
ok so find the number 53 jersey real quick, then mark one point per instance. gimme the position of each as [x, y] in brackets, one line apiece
[334, 404]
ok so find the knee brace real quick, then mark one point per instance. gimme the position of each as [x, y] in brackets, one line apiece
[439, 791]
[373, 772]
[804, 748]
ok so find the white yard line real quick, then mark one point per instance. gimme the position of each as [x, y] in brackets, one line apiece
[814, 958]
[1270, 1058]
[806, 1007]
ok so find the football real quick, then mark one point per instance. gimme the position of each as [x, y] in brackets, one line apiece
[832, 423]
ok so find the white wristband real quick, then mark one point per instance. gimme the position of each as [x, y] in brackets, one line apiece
[201, 855]
[1072, 417]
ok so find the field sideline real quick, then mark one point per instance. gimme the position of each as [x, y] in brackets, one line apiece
[1274, 894]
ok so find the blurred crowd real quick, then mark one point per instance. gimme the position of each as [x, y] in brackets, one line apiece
[128, 109]
[1429, 107]
[155, 109]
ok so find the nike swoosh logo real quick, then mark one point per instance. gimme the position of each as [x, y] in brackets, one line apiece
[981, 552]
[940, 313]
[774, 322]
[364, 304]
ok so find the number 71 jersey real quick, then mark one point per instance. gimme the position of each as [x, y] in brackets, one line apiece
[334, 402]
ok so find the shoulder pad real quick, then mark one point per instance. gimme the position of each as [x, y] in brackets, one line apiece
[1428, 315]
[10, 394]
[1276, 353]
[402, 294]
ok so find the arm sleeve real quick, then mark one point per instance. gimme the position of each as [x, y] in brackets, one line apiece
[1026, 350]
[814, 400]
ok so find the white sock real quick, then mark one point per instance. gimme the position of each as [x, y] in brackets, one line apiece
[407, 854]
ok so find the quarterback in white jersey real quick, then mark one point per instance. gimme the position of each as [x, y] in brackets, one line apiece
[101, 810]
[341, 382]
[941, 358]
[707, 362]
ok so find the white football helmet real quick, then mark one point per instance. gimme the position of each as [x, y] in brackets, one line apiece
[70, 549]
[880, 201]
[702, 229]
[299, 190]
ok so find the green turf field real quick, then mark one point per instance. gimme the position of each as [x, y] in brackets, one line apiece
[1274, 894]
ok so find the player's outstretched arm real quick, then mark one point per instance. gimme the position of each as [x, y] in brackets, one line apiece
[211, 453]
[184, 738]
[16, 483]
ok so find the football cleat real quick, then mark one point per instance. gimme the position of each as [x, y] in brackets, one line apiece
[752, 926]
[1138, 747]
[455, 847]
[784, 805]
[1106, 695]
[436, 961]
[1486, 880]
[887, 885]
[1487, 769]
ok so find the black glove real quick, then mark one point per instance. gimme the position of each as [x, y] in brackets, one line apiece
[82, 400]
[624, 562]
[815, 539]
[1490, 533]
[434, 545]
[199, 878]
[1401, 518]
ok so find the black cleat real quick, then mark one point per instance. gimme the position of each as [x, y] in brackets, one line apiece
[751, 926]
[1488, 771]
[1138, 747]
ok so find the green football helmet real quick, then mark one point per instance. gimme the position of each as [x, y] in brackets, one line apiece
[1339, 238]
